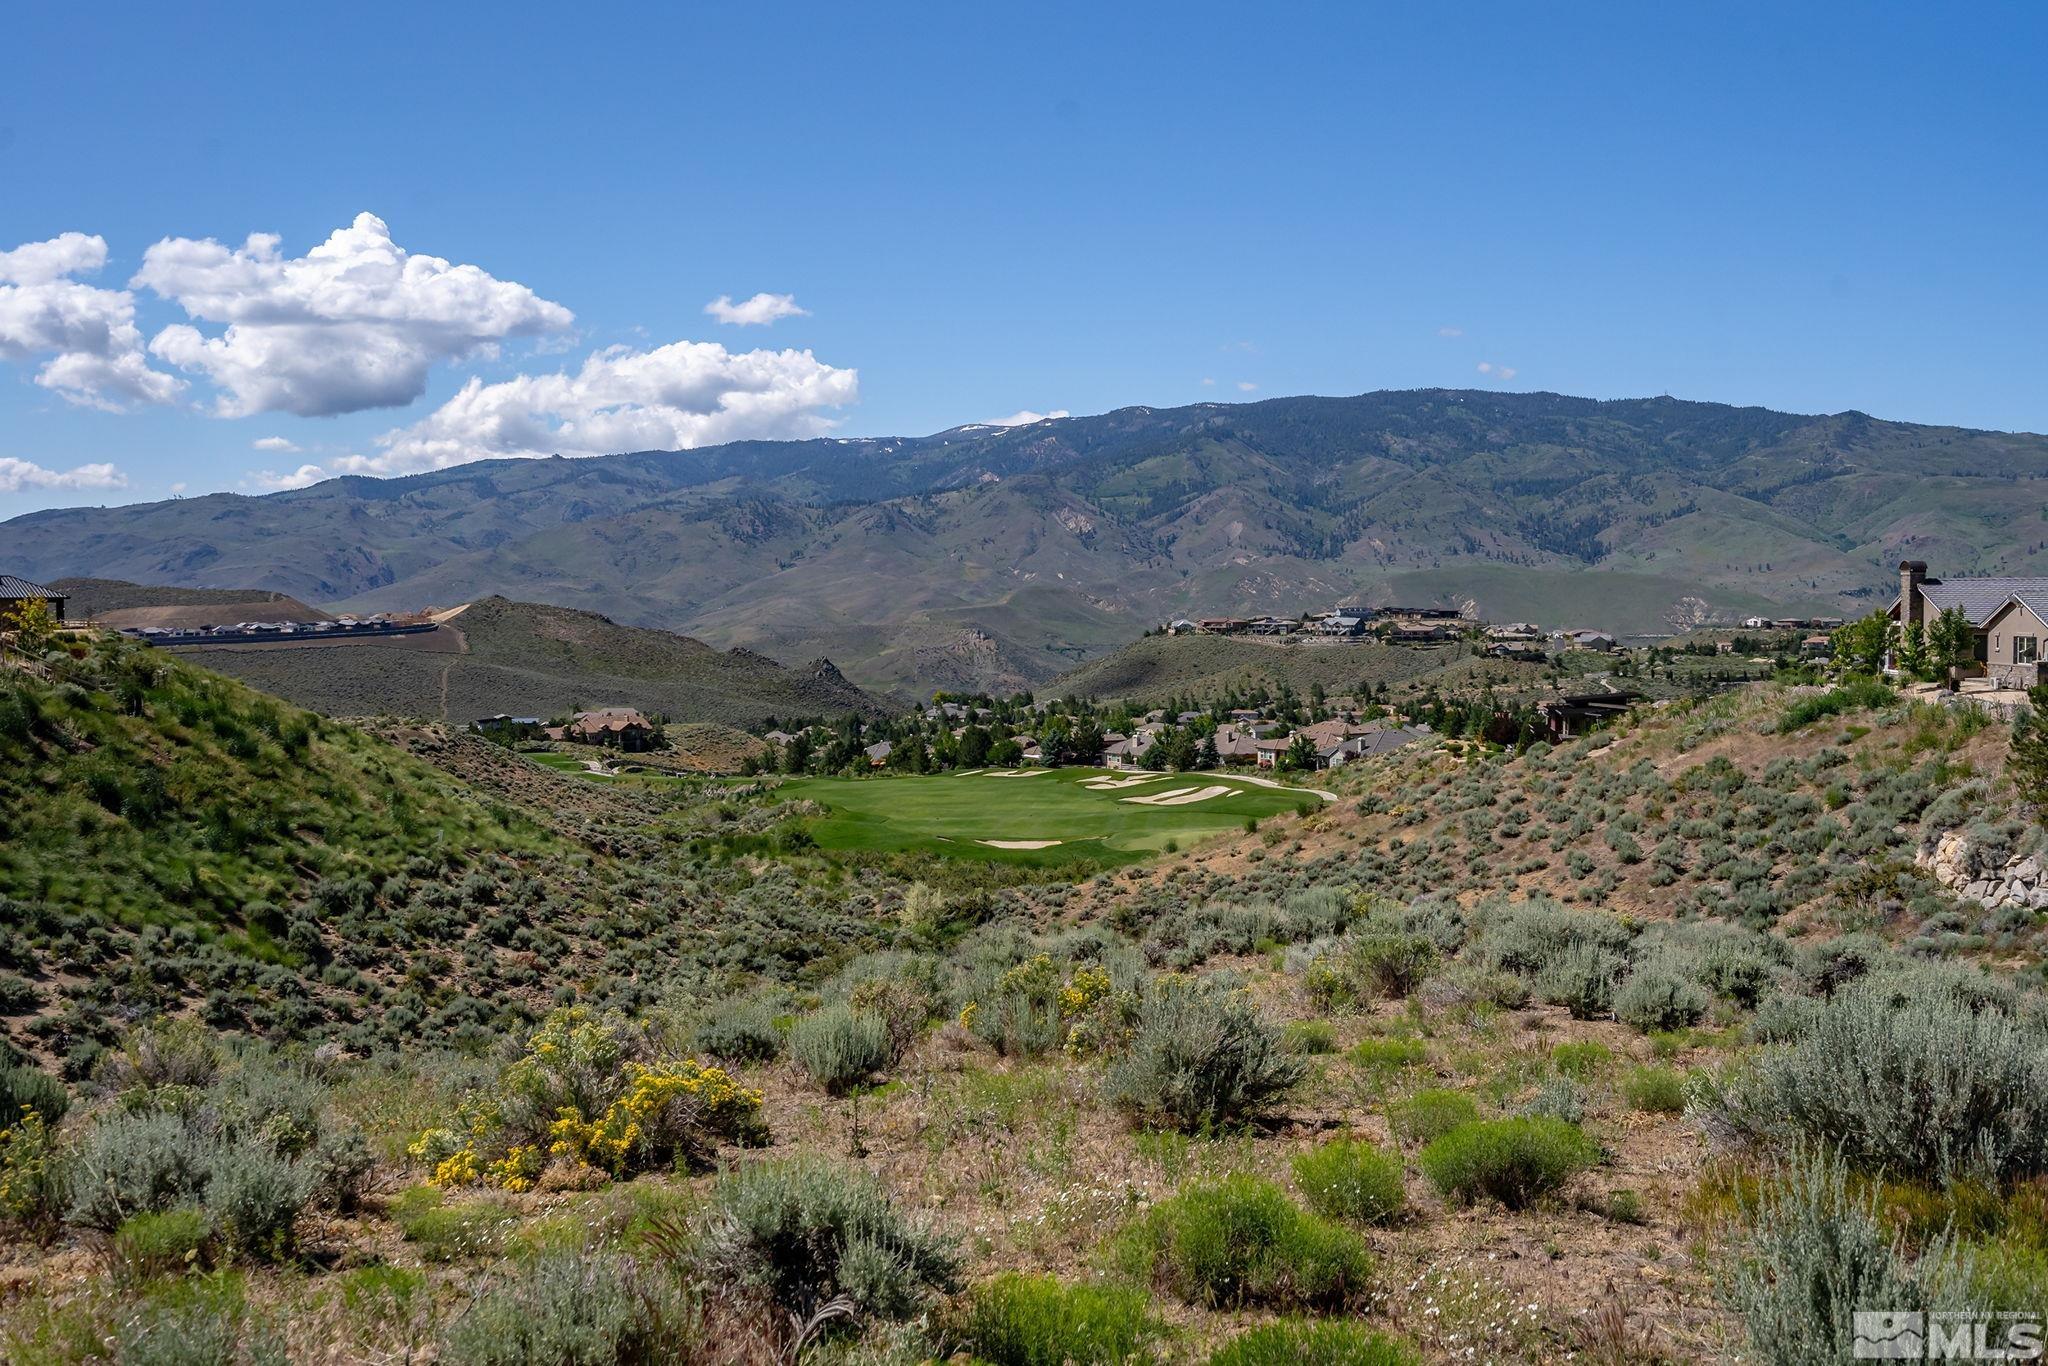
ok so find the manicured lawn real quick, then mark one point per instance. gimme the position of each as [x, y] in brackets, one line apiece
[954, 813]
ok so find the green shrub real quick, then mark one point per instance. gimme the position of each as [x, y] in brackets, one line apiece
[1309, 1037]
[1430, 1114]
[1240, 1241]
[739, 1031]
[443, 1232]
[1389, 1055]
[1514, 1161]
[1854, 693]
[1581, 1060]
[151, 1245]
[577, 1309]
[1923, 1085]
[840, 1047]
[253, 1198]
[1654, 998]
[799, 1232]
[1557, 1098]
[30, 1088]
[1660, 1090]
[1816, 1254]
[18, 995]
[1350, 1179]
[1389, 963]
[1312, 1342]
[340, 1165]
[1201, 1059]
[1016, 1320]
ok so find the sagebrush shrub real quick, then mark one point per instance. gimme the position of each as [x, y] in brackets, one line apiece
[1201, 1059]
[253, 1198]
[1923, 1086]
[1581, 978]
[573, 1306]
[1656, 998]
[739, 1031]
[799, 1232]
[1350, 1179]
[840, 1047]
[1239, 1241]
[1430, 1114]
[1018, 1320]
[1514, 1161]
[1314, 1342]
[128, 1164]
[1816, 1254]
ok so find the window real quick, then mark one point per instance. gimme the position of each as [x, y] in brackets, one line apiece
[2026, 649]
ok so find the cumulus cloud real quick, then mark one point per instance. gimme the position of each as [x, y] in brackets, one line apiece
[1024, 417]
[1208, 381]
[18, 475]
[1450, 331]
[299, 478]
[1246, 386]
[274, 443]
[86, 336]
[758, 311]
[355, 323]
[1499, 372]
[670, 398]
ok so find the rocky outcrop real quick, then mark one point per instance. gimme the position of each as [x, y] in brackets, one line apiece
[1986, 876]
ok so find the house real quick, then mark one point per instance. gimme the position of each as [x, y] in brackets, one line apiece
[1235, 744]
[1515, 630]
[1340, 626]
[516, 726]
[621, 728]
[1406, 634]
[16, 594]
[1423, 613]
[1124, 753]
[1221, 626]
[1577, 713]
[2002, 614]
[1030, 751]
[1816, 647]
[1370, 745]
[779, 738]
[1180, 626]
[1266, 753]
[1589, 640]
[1271, 626]
[1509, 649]
[878, 753]
[1757, 623]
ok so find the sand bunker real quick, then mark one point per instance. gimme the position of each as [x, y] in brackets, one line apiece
[1119, 784]
[1179, 796]
[1019, 844]
[1016, 773]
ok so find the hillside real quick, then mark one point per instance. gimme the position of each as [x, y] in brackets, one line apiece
[112, 602]
[525, 659]
[1204, 667]
[991, 556]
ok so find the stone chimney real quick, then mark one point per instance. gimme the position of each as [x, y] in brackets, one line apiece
[1912, 573]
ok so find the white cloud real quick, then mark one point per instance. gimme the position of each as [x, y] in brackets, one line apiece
[1208, 382]
[274, 443]
[178, 488]
[88, 336]
[1499, 372]
[1246, 386]
[673, 397]
[17, 475]
[1024, 417]
[302, 477]
[1450, 331]
[758, 311]
[355, 323]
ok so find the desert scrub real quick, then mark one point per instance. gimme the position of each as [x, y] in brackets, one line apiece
[1313, 1342]
[840, 1047]
[1380, 1056]
[739, 1031]
[1923, 1085]
[1310, 1038]
[1240, 1242]
[1581, 1060]
[799, 1233]
[1815, 1254]
[1659, 1090]
[1352, 1180]
[446, 1232]
[1018, 1320]
[1201, 1059]
[573, 1307]
[1515, 1161]
[587, 1098]
[1581, 978]
[1656, 998]
[29, 1088]
[152, 1245]
[1430, 1114]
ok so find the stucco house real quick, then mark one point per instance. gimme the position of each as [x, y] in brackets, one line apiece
[2009, 616]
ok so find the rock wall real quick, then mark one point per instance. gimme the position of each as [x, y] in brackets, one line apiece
[1981, 875]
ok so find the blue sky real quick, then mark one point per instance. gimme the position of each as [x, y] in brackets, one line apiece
[983, 213]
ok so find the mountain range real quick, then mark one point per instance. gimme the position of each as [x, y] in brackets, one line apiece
[1000, 557]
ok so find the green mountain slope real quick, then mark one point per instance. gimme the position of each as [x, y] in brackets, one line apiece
[526, 659]
[1003, 555]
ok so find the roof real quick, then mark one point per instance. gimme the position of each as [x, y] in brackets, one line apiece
[1979, 598]
[1378, 742]
[608, 719]
[11, 587]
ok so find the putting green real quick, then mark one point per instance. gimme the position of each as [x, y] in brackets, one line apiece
[1036, 815]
